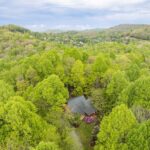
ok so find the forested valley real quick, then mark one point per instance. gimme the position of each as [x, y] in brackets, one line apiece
[40, 72]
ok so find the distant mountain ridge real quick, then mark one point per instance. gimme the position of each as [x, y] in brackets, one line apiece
[120, 27]
[119, 33]
[127, 26]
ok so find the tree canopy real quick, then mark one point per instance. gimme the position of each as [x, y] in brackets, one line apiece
[39, 72]
[114, 127]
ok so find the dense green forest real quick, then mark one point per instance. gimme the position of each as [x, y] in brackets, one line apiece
[39, 72]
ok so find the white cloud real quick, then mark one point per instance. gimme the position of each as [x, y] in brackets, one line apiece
[41, 15]
[37, 27]
[43, 27]
[73, 27]
[91, 4]
[128, 17]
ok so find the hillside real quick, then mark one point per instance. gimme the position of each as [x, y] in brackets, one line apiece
[120, 33]
[128, 27]
[15, 28]
[133, 31]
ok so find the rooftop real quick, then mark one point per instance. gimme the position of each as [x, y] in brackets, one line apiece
[81, 105]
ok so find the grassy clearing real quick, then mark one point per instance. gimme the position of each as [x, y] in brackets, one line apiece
[85, 131]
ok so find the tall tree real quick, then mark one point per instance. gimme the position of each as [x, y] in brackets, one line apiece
[137, 93]
[115, 87]
[49, 94]
[47, 63]
[114, 127]
[139, 137]
[77, 77]
[133, 72]
[20, 126]
[101, 64]
[99, 101]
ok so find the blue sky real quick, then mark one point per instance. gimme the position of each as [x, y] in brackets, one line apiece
[40, 15]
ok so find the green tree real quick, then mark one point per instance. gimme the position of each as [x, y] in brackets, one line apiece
[99, 101]
[47, 146]
[114, 127]
[133, 72]
[49, 94]
[21, 86]
[72, 52]
[47, 63]
[137, 93]
[89, 79]
[32, 76]
[77, 79]
[20, 126]
[101, 64]
[6, 91]
[68, 63]
[115, 87]
[139, 137]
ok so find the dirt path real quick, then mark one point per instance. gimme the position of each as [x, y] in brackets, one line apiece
[76, 140]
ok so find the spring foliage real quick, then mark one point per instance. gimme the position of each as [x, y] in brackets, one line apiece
[39, 72]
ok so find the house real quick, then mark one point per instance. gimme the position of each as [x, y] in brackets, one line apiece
[84, 107]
